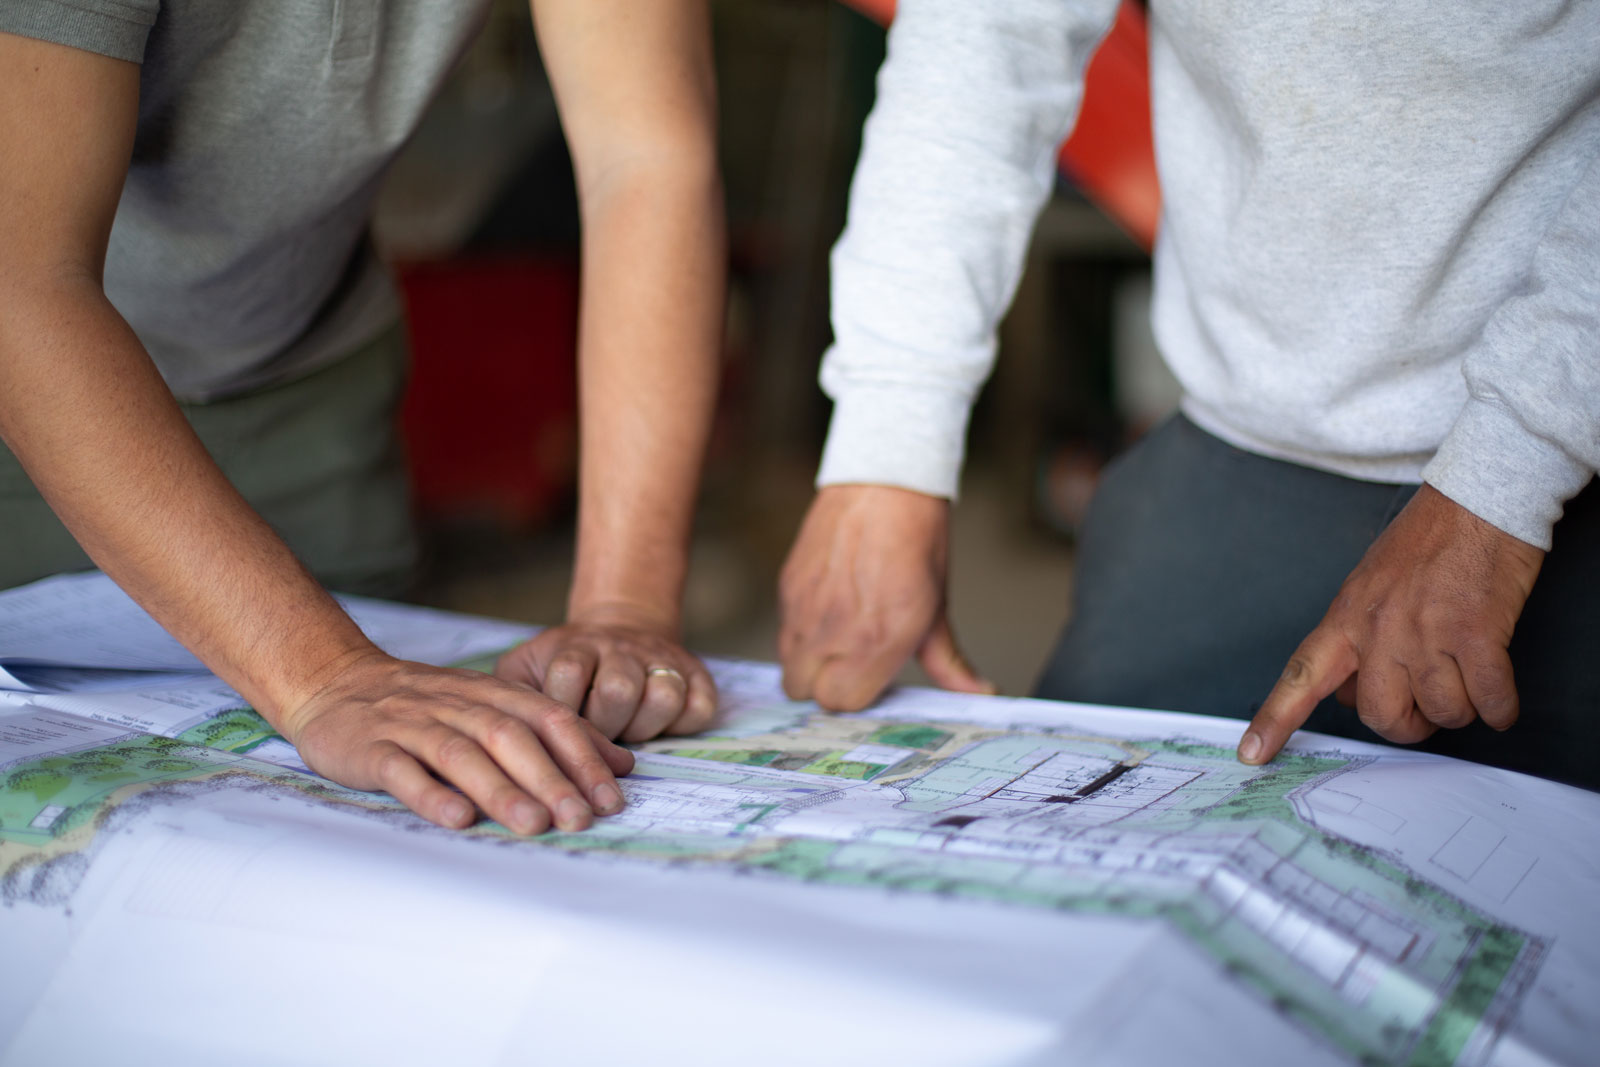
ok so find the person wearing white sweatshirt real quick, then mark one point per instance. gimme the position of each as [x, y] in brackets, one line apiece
[1378, 281]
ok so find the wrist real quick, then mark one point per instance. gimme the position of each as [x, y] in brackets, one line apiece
[660, 615]
[288, 702]
[629, 588]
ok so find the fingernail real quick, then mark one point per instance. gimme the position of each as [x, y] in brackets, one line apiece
[989, 687]
[457, 812]
[572, 814]
[1249, 748]
[607, 798]
[524, 817]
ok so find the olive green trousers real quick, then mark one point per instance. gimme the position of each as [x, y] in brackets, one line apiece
[319, 458]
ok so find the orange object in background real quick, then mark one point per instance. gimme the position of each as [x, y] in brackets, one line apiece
[1110, 155]
[491, 415]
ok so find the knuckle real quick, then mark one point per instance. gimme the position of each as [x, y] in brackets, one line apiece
[1297, 672]
[553, 715]
[1430, 681]
[1452, 715]
[391, 765]
[505, 731]
[1377, 714]
[563, 676]
[616, 689]
[455, 751]
[584, 758]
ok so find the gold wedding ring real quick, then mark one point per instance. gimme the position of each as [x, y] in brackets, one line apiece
[667, 671]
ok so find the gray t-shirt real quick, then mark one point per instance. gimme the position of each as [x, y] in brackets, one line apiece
[239, 253]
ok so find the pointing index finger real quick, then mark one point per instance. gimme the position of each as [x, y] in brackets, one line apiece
[1318, 667]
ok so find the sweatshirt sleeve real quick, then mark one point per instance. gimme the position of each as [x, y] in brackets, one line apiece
[957, 158]
[1528, 439]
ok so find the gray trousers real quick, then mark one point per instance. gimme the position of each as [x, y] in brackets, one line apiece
[319, 457]
[1201, 568]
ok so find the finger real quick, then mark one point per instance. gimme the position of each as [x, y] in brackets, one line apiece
[519, 752]
[618, 759]
[1346, 693]
[1318, 666]
[403, 778]
[1386, 701]
[850, 683]
[614, 696]
[700, 707]
[662, 702]
[571, 742]
[460, 760]
[801, 655]
[949, 669]
[569, 675]
[1491, 686]
[1440, 694]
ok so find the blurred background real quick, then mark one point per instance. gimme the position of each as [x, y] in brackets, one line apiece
[479, 218]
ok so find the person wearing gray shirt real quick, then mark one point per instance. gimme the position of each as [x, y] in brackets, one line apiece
[200, 359]
[1378, 269]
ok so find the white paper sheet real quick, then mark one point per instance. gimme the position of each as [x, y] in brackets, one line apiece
[942, 880]
[57, 634]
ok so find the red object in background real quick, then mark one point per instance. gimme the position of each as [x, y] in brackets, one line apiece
[1111, 154]
[491, 414]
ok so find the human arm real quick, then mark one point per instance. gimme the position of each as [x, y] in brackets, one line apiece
[87, 414]
[634, 85]
[957, 160]
[1417, 638]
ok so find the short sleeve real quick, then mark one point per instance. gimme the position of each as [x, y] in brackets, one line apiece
[114, 28]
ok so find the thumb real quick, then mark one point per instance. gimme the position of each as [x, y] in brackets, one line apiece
[520, 665]
[945, 664]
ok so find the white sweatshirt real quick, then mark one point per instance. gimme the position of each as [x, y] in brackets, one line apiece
[1379, 252]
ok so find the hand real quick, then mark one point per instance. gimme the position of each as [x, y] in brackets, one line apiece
[864, 589]
[611, 672]
[1417, 637]
[521, 757]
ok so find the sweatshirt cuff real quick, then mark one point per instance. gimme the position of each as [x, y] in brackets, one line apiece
[1494, 467]
[899, 435]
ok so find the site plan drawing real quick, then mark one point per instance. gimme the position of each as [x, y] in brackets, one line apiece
[1354, 903]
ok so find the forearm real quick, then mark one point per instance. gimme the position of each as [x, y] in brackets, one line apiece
[957, 159]
[96, 428]
[650, 340]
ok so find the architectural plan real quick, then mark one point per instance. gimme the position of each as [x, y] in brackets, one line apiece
[945, 878]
